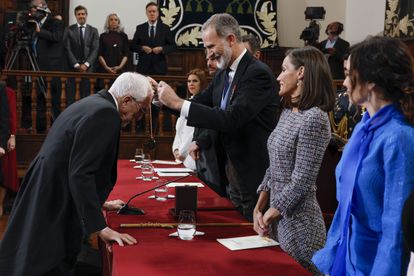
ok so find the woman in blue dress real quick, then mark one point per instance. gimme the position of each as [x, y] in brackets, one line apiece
[376, 172]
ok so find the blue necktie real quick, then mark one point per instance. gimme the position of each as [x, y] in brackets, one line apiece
[226, 88]
[152, 32]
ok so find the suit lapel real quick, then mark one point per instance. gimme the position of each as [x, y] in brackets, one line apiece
[241, 69]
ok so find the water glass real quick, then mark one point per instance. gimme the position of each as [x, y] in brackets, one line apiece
[146, 159]
[147, 171]
[139, 155]
[161, 193]
[186, 228]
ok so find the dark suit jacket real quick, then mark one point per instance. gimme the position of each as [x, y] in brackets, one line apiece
[152, 64]
[336, 61]
[49, 47]
[61, 195]
[73, 49]
[250, 117]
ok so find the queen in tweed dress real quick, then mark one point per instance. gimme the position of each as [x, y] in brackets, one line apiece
[287, 208]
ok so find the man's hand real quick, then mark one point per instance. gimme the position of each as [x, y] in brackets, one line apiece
[157, 50]
[83, 67]
[108, 236]
[2, 151]
[113, 205]
[146, 49]
[194, 150]
[168, 97]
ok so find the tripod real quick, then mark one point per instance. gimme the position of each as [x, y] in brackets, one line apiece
[24, 45]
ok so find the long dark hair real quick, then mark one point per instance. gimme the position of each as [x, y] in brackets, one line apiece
[386, 62]
[317, 89]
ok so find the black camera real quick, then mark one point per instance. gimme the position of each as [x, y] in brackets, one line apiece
[311, 33]
[25, 26]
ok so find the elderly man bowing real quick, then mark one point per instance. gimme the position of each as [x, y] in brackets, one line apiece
[61, 196]
[241, 104]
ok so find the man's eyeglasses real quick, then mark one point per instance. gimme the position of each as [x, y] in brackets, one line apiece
[139, 107]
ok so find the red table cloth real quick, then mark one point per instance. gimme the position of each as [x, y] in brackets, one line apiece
[158, 254]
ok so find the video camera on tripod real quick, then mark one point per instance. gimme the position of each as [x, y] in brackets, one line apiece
[311, 33]
[25, 26]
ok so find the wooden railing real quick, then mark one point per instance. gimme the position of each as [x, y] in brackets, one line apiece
[18, 78]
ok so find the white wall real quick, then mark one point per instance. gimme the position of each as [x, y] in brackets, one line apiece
[364, 18]
[131, 12]
[360, 18]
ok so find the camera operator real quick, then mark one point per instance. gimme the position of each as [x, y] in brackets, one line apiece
[48, 49]
[335, 49]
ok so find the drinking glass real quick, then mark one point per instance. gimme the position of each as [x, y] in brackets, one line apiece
[139, 155]
[186, 228]
[146, 159]
[147, 171]
[161, 193]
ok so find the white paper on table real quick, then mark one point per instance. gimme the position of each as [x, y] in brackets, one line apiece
[164, 162]
[173, 174]
[173, 170]
[181, 184]
[247, 242]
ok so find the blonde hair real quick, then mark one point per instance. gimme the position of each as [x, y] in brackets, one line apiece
[106, 25]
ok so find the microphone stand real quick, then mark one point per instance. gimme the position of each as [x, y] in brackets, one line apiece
[128, 210]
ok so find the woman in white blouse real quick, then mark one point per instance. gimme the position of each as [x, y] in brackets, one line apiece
[196, 82]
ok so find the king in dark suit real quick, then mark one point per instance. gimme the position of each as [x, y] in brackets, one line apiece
[152, 41]
[61, 196]
[241, 104]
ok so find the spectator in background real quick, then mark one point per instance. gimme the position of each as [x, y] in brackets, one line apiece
[375, 174]
[335, 49]
[287, 208]
[152, 40]
[113, 46]
[211, 65]
[48, 51]
[196, 82]
[9, 163]
[252, 45]
[81, 44]
[4, 135]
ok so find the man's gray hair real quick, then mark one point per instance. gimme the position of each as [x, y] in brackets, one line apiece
[131, 84]
[224, 24]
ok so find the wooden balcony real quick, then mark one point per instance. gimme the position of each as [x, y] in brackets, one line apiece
[30, 137]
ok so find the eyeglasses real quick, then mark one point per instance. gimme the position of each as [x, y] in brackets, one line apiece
[140, 108]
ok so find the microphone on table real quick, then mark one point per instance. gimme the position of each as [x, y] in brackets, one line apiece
[128, 210]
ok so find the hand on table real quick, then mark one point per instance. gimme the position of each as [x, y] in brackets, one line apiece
[113, 205]
[108, 236]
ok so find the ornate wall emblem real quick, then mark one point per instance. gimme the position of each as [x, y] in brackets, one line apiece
[185, 18]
